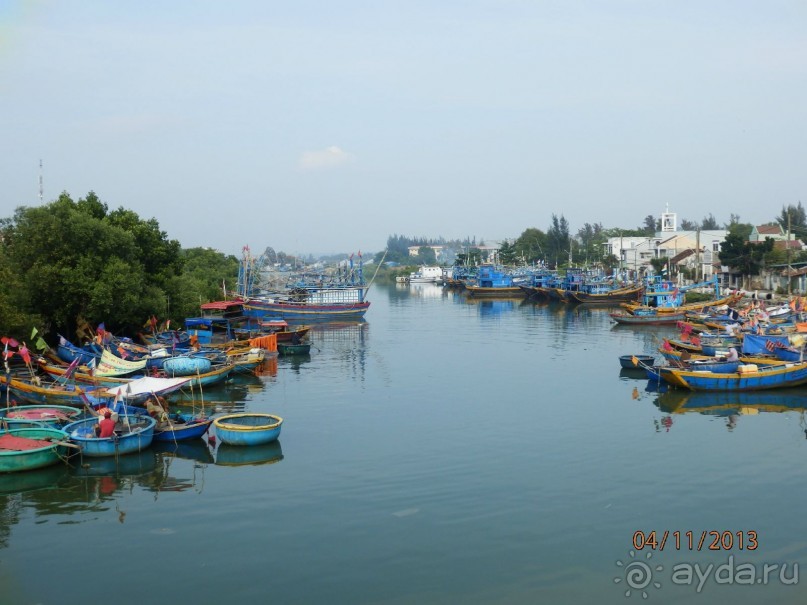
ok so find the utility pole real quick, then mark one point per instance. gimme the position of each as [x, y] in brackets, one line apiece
[698, 255]
[788, 254]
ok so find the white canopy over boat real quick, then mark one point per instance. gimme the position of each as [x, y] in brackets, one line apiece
[148, 385]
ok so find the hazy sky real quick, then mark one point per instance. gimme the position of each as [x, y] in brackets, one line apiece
[314, 126]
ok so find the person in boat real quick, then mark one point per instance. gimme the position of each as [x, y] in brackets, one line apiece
[295, 338]
[105, 427]
[157, 408]
[732, 356]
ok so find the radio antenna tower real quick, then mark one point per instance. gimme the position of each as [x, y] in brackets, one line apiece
[41, 186]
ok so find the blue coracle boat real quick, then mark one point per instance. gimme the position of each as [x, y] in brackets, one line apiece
[248, 428]
[132, 434]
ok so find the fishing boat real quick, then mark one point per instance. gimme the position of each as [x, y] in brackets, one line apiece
[281, 329]
[646, 318]
[28, 448]
[132, 434]
[605, 295]
[493, 282]
[312, 306]
[39, 415]
[286, 348]
[181, 427]
[663, 296]
[53, 393]
[630, 362]
[248, 428]
[749, 377]
[426, 275]
[246, 360]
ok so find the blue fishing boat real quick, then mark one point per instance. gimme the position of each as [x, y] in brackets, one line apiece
[644, 317]
[494, 282]
[132, 434]
[28, 448]
[631, 362]
[749, 377]
[68, 352]
[181, 427]
[248, 428]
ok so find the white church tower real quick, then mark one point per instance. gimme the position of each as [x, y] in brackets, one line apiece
[668, 221]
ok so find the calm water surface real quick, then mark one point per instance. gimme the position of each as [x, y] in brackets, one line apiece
[447, 451]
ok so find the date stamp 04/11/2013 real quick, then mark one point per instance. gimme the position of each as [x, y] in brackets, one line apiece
[715, 540]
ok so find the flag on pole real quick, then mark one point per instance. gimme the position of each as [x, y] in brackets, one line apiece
[91, 366]
[68, 373]
[25, 354]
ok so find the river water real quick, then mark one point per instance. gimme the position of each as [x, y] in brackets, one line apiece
[445, 451]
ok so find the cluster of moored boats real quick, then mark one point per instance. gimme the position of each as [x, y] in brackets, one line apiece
[736, 346]
[54, 404]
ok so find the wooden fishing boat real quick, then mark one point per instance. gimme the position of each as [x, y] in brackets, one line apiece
[181, 427]
[291, 333]
[749, 377]
[23, 449]
[285, 348]
[132, 434]
[68, 352]
[640, 318]
[631, 362]
[246, 360]
[606, 296]
[54, 393]
[496, 283]
[217, 373]
[248, 428]
[41, 415]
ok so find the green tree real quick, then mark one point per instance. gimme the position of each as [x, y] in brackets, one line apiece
[591, 239]
[651, 225]
[709, 223]
[507, 253]
[74, 259]
[793, 217]
[687, 225]
[530, 245]
[743, 256]
[557, 240]
[426, 256]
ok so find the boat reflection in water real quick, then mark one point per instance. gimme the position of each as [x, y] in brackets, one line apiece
[50, 477]
[731, 405]
[235, 455]
[190, 449]
[492, 307]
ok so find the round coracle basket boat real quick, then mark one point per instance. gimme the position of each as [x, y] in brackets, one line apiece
[248, 428]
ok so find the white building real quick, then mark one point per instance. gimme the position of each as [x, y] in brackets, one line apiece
[684, 249]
